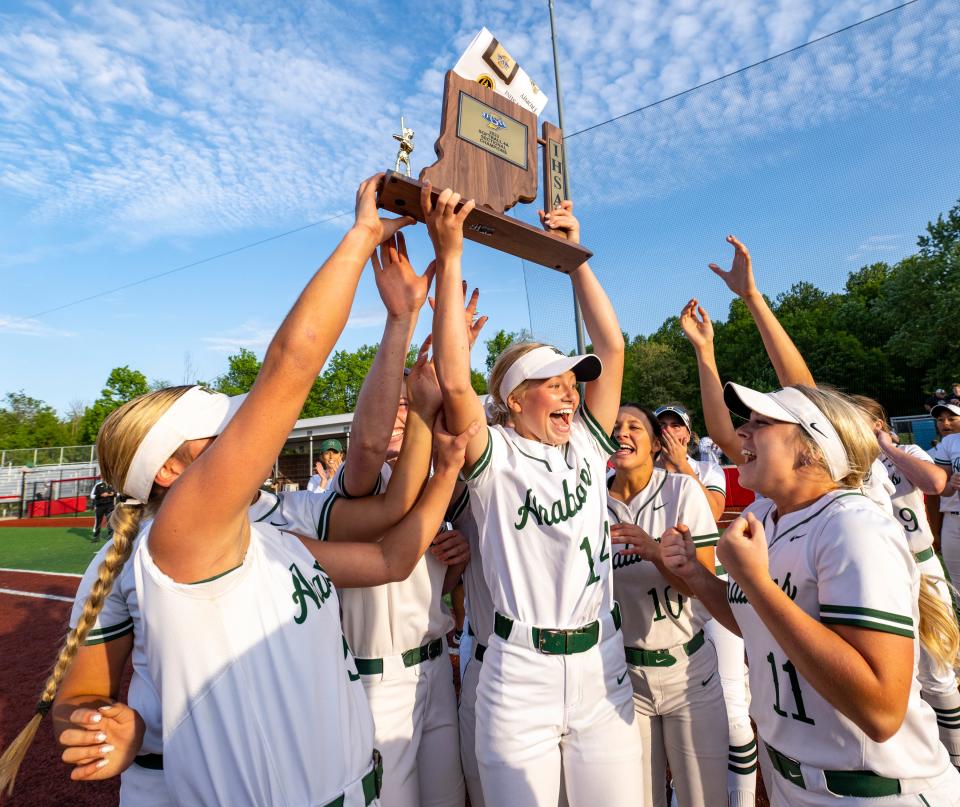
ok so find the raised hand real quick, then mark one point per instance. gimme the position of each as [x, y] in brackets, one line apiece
[740, 277]
[444, 221]
[696, 324]
[674, 449]
[423, 388]
[562, 221]
[101, 743]
[474, 323]
[743, 550]
[678, 552]
[450, 548]
[448, 449]
[634, 540]
[401, 288]
[368, 219]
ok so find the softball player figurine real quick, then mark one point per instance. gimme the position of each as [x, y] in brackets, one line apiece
[553, 686]
[829, 618]
[673, 669]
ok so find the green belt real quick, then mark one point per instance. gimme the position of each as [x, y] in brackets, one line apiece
[841, 783]
[662, 658]
[719, 570]
[411, 658]
[479, 650]
[924, 554]
[558, 641]
[372, 783]
[153, 762]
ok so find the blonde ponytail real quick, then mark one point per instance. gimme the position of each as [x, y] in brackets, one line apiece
[117, 442]
[939, 632]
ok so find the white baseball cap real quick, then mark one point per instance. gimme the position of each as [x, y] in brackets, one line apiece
[546, 362]
[936, 410]
[196, 414]
[789, 405]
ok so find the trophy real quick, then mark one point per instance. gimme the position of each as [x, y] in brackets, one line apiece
[487, 151]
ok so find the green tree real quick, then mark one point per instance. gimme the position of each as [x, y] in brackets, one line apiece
[242, 371]
[26, 422]
[123, 384]
[337, 388]
[500, 341]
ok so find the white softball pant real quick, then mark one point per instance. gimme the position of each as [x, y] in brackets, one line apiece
[950, 545]
[415, 729]
[538, 714]
[683, 722]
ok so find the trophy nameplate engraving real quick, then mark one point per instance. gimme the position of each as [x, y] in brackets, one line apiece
[492, 130]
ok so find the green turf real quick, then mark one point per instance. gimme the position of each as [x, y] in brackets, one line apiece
[48, 549]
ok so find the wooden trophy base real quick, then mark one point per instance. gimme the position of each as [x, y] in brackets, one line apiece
[401, 194]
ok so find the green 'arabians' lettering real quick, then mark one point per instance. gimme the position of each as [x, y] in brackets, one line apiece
[565, 508]
[318, 589]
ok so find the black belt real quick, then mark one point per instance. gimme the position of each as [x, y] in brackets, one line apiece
[153, 762]
[865, 784]
[411, 658]
[479, 650]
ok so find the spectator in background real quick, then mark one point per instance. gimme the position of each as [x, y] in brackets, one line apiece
[103, 497]
[331, 458]
[939, 397]
[954, 398]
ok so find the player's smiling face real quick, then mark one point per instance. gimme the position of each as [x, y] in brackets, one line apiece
[634, 434]
[399, 426]
[771, 451]
[544, 410]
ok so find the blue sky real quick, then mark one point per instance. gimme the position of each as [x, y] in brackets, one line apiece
[135, 138]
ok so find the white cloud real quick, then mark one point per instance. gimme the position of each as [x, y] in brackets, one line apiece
[150, 119]
[252, 335]
[24, 326]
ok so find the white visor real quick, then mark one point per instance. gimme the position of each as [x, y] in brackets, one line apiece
[196, 414]
[789, 405]
[547, 362]
[939, 409]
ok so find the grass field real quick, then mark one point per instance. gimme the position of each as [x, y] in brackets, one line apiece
[47, 549]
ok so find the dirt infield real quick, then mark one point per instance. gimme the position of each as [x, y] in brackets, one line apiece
[66, 521]
[31, 632]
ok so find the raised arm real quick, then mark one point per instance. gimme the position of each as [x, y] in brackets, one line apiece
[786, 359]
[451, 338]
[393, 558]
[403, 292]
[369, 517]
[698, 328]
[926, 475]
[600, 319]
[197, 534]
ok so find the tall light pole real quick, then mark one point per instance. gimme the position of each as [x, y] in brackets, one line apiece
[578, 317]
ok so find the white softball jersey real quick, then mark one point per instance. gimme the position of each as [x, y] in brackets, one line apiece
[480, 606]
[908, 502]
[844, 562]
[390, 619]
[120, 615]
[544, 534]
[946, 454]
[878, 487]
[655, 617]
[710, 474]
[261, 700]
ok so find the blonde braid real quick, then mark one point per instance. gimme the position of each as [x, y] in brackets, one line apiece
[126, 524]
[939, 632]
[117, 441]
